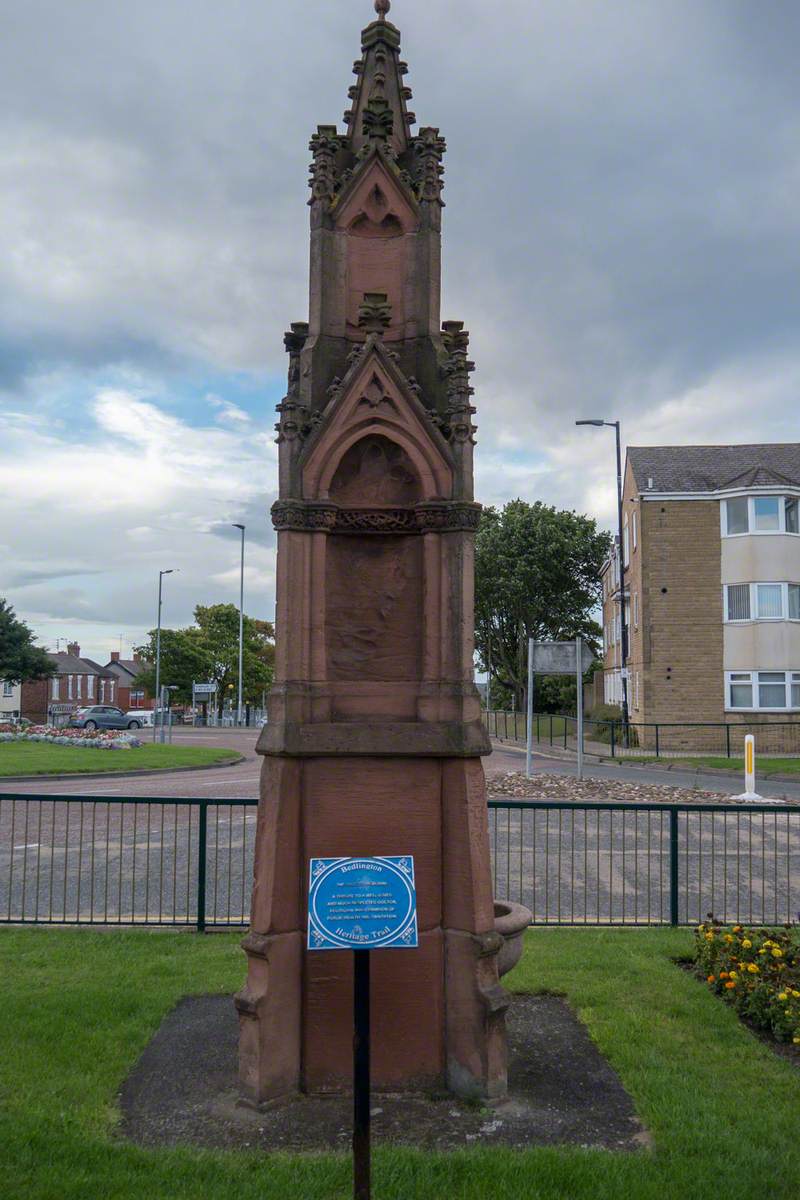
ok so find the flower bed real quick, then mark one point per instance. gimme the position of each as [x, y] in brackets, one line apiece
[756, 970]
[96, 739]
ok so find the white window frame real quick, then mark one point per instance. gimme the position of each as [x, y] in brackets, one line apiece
[626, 549]
[634, 529]
[78, 686]
[754, 613]
[791, 677]
[90, 688]
[55, 689]
[8, 690]
[781, 497]
[636, 610]
[69, 687]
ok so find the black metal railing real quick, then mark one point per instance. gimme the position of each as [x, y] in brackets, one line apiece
[646, 864]
[126, 861]
[68, 860]
[647, 739]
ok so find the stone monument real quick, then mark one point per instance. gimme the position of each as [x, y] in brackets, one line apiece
[374, 740]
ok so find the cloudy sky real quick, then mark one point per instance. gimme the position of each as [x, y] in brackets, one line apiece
[622, 237]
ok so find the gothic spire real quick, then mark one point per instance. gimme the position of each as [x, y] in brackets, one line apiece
[379, 113]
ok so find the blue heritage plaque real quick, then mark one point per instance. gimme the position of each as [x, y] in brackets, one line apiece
[362, 904]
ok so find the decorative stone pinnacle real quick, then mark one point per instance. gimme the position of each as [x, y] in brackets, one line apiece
[382, 7]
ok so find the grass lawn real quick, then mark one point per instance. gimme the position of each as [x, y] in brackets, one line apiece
[764, 766]
[42, 758]
[79, 1006]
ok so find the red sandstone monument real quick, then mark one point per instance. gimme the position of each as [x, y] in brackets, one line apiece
[374, 740]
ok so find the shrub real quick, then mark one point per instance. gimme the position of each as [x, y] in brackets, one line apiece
[756, 970]
[598, 729]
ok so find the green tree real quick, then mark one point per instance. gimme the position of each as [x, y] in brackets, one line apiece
[20, 660]
[209, 651]
[219, 632]
[537, 575]
[184, 661]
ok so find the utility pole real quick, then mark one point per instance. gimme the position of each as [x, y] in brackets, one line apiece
[159, 709]
[615, 425]
[241, 627]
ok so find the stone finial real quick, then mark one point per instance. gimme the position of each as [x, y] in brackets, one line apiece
[381, 8]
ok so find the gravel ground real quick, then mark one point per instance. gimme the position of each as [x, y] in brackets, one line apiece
[517, 786]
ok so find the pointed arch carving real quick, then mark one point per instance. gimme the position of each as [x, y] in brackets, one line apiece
[375, 405]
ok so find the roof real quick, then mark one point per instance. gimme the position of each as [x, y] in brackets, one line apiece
[68, 664]
[128, 666]
[714, 468]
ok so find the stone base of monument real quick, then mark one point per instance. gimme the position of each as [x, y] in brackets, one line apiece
[184, 1090]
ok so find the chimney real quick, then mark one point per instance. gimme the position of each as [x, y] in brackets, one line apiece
[115, 655]
[74, 649]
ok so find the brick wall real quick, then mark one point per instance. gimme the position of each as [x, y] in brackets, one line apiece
[679, 646]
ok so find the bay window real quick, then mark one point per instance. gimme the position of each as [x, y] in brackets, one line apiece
[761, 514]
[761, 602]
[770, 691]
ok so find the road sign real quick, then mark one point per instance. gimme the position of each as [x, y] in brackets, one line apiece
[204, 689]
[362, 904]
[560, 658]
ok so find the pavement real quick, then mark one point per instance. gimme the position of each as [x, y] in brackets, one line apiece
[241, 780]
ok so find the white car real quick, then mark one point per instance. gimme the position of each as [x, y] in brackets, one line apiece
[138, 718]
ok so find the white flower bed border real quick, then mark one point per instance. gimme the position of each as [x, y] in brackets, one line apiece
[93, 739]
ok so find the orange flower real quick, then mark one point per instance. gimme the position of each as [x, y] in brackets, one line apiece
[710, 979]
[730, 984]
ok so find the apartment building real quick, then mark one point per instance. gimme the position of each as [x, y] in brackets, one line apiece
[710, 563]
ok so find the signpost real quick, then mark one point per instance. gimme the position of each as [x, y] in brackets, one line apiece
[206, 690]
[557, 658]
[362, 904]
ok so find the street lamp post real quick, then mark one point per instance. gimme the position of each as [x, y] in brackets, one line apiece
[241, 627]
[621, 552]
[161, 575]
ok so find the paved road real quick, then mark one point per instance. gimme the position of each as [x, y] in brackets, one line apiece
[84, 852]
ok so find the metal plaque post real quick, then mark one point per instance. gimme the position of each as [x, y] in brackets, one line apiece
[361, 1086]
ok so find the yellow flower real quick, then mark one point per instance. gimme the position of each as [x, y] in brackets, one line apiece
[737, 929]
[762, 951]
[752, 968]
[728, 937]
[746, 944]
[709, 937]
[782, 996]
[796, 994]
[731, 974]
[796, 1041]
[777, 952]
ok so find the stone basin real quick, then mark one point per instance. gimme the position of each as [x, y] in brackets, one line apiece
[510, 920]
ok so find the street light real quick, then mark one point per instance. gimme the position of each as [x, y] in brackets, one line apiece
[241, 625]
[623, 626]
[161, 575]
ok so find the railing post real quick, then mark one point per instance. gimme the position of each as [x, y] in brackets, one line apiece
[565, 733]
[201, 866]
[728, 738]
[613, 723]
[657, 755]
[551, 729]
[673, 866]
